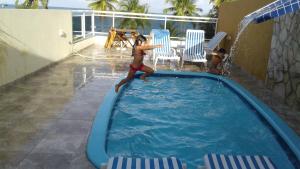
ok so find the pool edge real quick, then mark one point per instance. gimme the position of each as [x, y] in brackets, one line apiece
[99, 130]
[97, 138]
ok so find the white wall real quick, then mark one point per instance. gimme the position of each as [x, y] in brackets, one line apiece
[32, 39]
[98, 40]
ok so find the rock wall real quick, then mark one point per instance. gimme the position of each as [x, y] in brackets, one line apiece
[283, 73]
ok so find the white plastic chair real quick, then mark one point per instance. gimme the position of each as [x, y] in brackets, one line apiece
[194, 47]
[162, 37]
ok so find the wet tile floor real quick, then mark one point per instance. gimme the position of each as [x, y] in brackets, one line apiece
[45, 119]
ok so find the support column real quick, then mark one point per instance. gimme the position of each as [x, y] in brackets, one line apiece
[93, 23]
[83, 25]
[165, 22]
[113, 20]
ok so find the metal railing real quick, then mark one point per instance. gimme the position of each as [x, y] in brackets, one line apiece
[86, 24]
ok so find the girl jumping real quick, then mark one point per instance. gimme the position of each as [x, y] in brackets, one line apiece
[138, 52]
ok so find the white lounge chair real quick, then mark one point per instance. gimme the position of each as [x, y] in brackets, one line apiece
[214, 42]
[144, 163]
[161, 36]
[220, 161]
[194, 47]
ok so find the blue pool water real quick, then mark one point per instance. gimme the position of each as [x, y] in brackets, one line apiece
[187, 118]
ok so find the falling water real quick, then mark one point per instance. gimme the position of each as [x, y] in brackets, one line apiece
[242, 27]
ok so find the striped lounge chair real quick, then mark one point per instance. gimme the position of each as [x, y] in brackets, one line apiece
[214, 42]
[162, 37]
[194, 47]
[220, 161]
[144, 163]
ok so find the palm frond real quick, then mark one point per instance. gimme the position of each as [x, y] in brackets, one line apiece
[17, 5]
[182, 7]
[167, 10]
[31, 4]
[217, 3]
[103, 5]
[45, 3]
[35, 4]
[136, 7]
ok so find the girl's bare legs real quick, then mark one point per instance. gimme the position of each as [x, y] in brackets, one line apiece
[148, 71]
[129, 77]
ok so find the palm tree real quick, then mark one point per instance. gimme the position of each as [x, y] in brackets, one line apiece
[136, 7]
[133, 6]
[217, 3]
[103, 5]
[32, 4]
[171, 26]
[214, 12]
[182, 8]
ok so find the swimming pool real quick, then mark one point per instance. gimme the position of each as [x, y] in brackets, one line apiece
[188, 115]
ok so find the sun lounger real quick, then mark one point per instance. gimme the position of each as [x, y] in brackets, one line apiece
[194, 47]
[144, 163]
[162, 37]
[214, 42]
[220, 161]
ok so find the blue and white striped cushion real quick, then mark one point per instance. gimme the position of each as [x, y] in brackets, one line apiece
[144, 163]
[161, 37]
[215, 41]
[220, 161]
[194, 44]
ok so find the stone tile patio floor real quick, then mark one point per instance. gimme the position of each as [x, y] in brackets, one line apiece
[45, 118]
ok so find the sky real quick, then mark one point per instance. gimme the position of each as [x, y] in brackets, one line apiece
[155, 6]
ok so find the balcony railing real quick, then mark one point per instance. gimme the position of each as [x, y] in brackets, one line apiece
[88, 23]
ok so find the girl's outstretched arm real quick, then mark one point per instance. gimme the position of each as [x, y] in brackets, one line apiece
[148, 47]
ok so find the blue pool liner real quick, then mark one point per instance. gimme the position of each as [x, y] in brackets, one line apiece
[96, 151]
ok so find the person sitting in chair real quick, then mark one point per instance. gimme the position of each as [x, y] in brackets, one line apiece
[216, 62]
